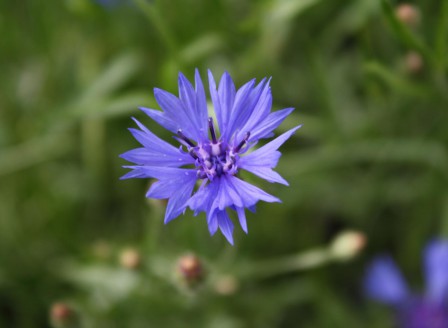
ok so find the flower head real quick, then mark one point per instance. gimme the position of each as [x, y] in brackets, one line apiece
[211, 153]
[385, 284]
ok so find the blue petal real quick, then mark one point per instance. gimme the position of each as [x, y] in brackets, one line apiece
[174, 109]
[226, 195]
[143, 171]
[260, 112]
[222, 98]
[384, 282]
[436, 270]
[242, 218]
[266, 156]
[215, 99]
[204, 197]
[269, 124]
[177, 203]
[244, 109]
[240, 106]
[161, 118]
[149, 139]
[156, 151]
[171, 158]
[226, 94]
[201, 102]
[187, 96]
[225, 225]
[250, 194]
[267, 173]
[212, 224]
[174, 183]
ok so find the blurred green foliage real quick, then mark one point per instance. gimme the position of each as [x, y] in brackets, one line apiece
[370, 89]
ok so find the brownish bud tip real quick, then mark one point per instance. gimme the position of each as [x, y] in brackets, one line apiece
[413, 62]
[63, 316]
[191, 270]
[408, 14]
[348, 244]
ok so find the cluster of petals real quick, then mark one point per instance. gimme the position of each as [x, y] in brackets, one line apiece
[384, 283]
[202, 173]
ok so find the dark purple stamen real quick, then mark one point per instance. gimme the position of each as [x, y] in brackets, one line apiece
[184, 138]
[212, 129]
[243, 142]
[193, 154]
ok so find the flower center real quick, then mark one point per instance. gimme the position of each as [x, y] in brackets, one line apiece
[214, 157]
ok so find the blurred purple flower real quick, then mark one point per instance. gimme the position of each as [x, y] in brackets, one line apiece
[243, 117]
[385, 284]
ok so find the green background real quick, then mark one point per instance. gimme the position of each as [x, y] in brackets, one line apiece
[371, 156]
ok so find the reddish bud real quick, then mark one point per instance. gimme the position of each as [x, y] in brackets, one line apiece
[191, 270]
[408, 14]
[63, 316]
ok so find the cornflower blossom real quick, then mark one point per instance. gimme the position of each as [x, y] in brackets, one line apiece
[209, 153]
[384, 283]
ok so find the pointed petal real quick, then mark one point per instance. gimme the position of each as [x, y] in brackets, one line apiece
[262, 107]
[213, 224]
[436, 270]
[203, 199]
[226, 93]
[225, 225]
[161, 119]
[267, 155]
[201, 102]
[143, 156]
[174, 109]
[266, 173]
[250, 194]
[242, 218]
[188, 98]
[215, 99]
[177, 203]
[240, 106]
[161, 173]
[226, 195]
[269, 124]
[247, 112]
[150, 140]
[384, 282]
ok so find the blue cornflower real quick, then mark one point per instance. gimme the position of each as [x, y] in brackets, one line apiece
[243, 117]
[385, 284]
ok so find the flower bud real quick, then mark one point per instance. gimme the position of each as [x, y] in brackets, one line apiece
[191, 270]
[413, 62]
[347, 244]
[63, 316]
[408, 14]
[130, 259]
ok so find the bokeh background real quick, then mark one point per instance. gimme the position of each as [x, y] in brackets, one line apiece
[368, 81]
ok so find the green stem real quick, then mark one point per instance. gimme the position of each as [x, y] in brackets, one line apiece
[303, 261]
